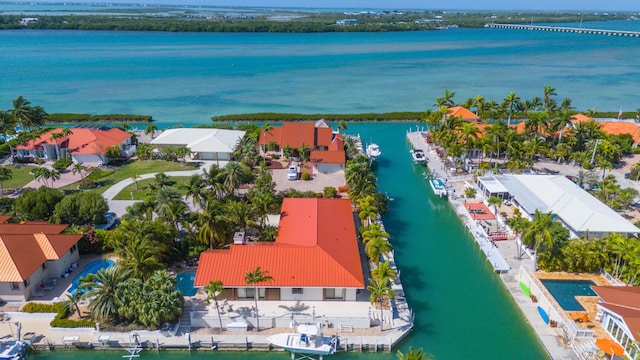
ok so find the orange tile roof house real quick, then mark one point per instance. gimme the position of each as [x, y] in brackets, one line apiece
[32, 253]
[619, 309]
[315, 256]
[613, 127]
[463, 113]
[327, 147]
[87, 145]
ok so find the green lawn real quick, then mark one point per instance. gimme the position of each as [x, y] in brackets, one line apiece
[137, 167]
[142, 191]
[21, 177]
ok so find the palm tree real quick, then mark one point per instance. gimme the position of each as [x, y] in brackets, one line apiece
[372, 232]
[384, 270]
[151, 130]
[195, 189]
[169, 205]
[139, 256]
[213, 289]
[495, 202]
[79, 168]
[304, 151]
[342, 125]
[7, 124]
[538, 233]
[38, 174]
[511, 100]
[254, 278]
[135, 178]
[412, 354]
[234, 175]
[446, 100]
[548, 93]
[376, 247]
[367, 210]
[73, 302]
[101, 287]
[380, 290]
[22, 112]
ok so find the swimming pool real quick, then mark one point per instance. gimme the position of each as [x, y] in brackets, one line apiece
[565, 292]
[90, 268]
[185, 283]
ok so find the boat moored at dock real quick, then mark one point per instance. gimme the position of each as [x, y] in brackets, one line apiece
[13, 350]
[438, 186]
[418, 156]
[373, 151]
[305, 342]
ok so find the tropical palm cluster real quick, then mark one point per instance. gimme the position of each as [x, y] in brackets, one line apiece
[548, 132]
[371, 204]
[119, 297]
[617, 254]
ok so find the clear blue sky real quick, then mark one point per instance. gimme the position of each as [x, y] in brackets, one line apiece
[550, 5]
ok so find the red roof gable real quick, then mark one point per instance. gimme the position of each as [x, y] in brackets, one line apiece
[25, 247]
[80, 141]
[295, 134]
[624, 301]
[463, 113]
[314, 234]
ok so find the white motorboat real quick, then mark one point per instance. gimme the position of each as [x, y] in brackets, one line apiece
[305, 342]
[13, 350]
[373, 151]
[418, 156]
[438, 186]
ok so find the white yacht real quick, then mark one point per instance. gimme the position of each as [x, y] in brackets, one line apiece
[13, 350]
[373, 151]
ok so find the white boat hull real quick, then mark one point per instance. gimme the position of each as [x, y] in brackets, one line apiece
[418, 157]
[438, 186]
[13, 350]
[315, 344]
[373, 151]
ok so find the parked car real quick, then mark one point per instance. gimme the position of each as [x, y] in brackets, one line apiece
[292, 173]
[110, 221]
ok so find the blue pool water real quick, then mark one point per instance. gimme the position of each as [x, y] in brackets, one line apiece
[91, 268]
[185, 283]
[565, 292]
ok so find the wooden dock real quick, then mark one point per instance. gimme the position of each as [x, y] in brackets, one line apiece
[578, 30]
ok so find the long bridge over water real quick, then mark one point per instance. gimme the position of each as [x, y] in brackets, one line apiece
[579, 30]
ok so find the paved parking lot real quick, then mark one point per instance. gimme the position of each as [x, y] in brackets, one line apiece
[317, 183]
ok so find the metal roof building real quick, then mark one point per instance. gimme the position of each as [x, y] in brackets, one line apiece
[578, 210]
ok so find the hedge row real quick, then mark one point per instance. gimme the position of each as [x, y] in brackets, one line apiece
[62, 312]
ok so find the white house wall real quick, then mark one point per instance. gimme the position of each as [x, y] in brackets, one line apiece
[308, 294]
[89, 159]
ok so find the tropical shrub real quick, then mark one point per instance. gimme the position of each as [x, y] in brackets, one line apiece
[329, 192]
[62, 164]
[37, 204]
[305, 176]
[83, 208]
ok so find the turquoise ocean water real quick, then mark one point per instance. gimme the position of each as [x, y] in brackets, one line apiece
[462, 309]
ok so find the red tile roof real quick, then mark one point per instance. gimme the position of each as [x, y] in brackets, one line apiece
[316, 246]
[319, 138]
[463, 113]
[25, 247]
[80, 141]
[624, 301]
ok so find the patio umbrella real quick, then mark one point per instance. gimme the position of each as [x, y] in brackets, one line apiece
[610, 347]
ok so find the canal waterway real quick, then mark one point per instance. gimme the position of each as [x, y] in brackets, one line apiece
[462, 309]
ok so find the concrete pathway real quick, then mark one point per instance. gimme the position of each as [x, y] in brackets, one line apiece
[120, 206]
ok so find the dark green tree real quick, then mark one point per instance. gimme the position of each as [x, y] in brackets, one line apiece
[83, 208]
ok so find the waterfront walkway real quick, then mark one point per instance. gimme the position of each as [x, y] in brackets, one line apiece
[504, 256]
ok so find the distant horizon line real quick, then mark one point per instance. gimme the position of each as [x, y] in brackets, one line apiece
[148, 4]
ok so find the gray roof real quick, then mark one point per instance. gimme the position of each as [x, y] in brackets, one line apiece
[578, 209]
[201, 139]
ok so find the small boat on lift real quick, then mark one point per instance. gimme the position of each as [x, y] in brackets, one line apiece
[418, 156]
[305, 343]
[373, 151]
[13, 350]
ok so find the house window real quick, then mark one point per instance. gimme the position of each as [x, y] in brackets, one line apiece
[15, 286]
[26, 282]
[297, 291]
[334, 294]
[247, 293]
